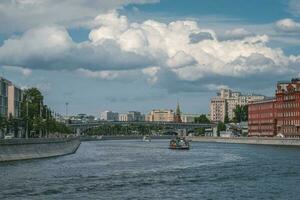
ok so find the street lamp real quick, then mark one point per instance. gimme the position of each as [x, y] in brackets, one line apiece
[67, 104]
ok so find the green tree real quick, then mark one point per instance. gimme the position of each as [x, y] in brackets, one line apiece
[221, 127]
[240, 113]
[3, 125]
[202, 119]
[200, 131]
[226, 119]
[37, 117]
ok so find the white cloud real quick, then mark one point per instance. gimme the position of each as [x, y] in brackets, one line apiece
[288, 25]
[20, 15]
[215, 87]
[108, 75]
[294, 7]
[238, 33]
[24, 71]
[179, 50]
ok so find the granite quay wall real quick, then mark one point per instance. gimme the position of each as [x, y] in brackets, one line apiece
[22, 149]
[250, 140]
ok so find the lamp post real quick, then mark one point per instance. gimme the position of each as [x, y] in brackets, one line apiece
[67, 104]
[27, 120]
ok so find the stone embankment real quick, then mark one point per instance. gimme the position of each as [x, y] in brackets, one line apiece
[250, 140]
[124, 137]
[22, 149]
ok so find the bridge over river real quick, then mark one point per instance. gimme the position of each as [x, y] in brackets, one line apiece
[180, 128]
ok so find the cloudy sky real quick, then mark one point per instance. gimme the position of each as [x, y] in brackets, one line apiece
[142, 54]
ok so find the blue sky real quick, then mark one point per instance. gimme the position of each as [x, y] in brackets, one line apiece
[121, 56]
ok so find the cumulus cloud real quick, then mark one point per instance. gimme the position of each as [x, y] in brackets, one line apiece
[237, 33]
[20, 15]
[176, 53]
[24, 71]
[51, 47]
[288, 25]
[294, 7]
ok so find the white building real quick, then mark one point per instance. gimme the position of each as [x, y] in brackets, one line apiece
[226, 102]
[123, 117]
[132, 116]
[189, 118]
[109, 116]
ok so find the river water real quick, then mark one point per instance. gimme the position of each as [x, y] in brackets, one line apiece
[132, 169]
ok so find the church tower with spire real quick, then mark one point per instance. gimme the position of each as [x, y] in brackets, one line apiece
[177, 117]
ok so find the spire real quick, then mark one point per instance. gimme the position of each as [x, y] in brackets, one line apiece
[177, 117]
[178, 112]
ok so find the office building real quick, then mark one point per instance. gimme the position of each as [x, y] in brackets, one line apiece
[226, 101]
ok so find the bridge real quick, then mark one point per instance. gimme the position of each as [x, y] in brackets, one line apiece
[180, 128]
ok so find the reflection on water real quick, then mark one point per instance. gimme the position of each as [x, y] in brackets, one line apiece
[149, 170]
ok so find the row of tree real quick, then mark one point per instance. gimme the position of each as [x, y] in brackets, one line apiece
[36, 119]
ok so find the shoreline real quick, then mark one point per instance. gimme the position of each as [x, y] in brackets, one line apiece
[36, 148]
[250, 140]
[127, 137]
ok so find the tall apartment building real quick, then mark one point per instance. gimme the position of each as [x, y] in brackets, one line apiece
[10, 99]
[15, 95]
[281, 118]
[4, 96]
[109, 116]
[226, 101]
[161, 115]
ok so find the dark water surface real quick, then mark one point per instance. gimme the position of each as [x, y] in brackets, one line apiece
[141, 170]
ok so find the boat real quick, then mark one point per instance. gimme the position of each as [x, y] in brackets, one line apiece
[179, 143]
[146, 138]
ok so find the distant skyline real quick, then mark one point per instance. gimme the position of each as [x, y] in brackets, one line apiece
[144, 54]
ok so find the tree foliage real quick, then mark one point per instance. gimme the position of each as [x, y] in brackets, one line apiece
[202, 119]
[221, 127]
[226, 119]
[240, 113]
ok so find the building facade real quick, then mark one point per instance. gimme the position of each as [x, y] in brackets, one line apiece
[132, 116]
[15, 96]
[161, 115]
[280, 117]
[4, 96]
[288, 108]
[261, 118]
[123, 117]
[226, 101]
[109, 116]
[189, 118]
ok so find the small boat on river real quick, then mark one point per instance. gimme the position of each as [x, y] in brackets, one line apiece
[146, 138]
[179, 143]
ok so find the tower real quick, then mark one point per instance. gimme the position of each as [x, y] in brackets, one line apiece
[177, 117]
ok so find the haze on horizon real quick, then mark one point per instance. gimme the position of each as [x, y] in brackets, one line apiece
[126, 55]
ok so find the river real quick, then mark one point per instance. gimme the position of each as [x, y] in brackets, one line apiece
[132, 169]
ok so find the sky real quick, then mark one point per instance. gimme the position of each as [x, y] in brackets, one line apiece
[141, 55]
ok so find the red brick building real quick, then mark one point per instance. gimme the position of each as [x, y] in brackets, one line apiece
[288, 108]
[280, 116]
[261, 118]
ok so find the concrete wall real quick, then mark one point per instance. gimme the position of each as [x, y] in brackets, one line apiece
[21, 149]
[250, 140]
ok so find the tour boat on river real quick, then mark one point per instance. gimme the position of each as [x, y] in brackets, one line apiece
[146, 138]
[179, 143]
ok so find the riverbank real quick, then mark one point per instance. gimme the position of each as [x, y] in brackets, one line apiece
[250, 140]
[23, 149]
[127, 137]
